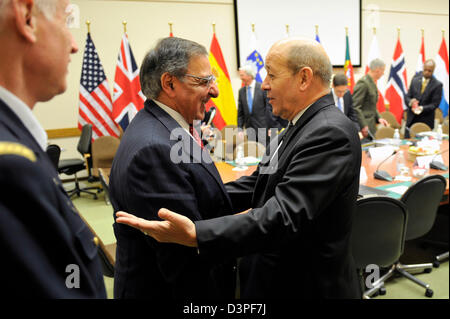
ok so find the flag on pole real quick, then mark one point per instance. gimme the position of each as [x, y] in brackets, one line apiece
[95, 99]
[441, 73]
[348, 67]
[421, 57]
[396, 88]
[127, 98]
[226, 112]
[255, 57]
[374, 53]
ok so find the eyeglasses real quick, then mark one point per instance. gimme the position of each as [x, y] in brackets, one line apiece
[207, 80]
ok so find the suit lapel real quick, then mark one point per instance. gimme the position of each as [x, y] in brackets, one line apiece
[190, 148]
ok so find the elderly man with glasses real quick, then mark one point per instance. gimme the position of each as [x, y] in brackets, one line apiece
[161, 163]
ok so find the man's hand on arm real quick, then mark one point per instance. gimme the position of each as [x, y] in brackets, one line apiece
[174, 228]
[365, 131]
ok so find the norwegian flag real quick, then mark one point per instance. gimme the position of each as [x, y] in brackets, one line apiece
[95, 100]
[127, 98]
[396, 88]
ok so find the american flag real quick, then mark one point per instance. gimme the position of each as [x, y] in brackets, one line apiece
[127, 98]
[95, 100]
[396, 87]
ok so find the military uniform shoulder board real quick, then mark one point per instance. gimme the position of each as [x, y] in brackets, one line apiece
[8, 148]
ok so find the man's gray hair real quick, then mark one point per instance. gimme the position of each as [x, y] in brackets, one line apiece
[300, 56]
[249, 69]
[376, 64]
[47, 7]
[171, 55]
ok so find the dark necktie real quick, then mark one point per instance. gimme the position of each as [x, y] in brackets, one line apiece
[194, 133]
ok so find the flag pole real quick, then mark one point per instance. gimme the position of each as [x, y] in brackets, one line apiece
[423, 31]
[317, 29]
[443, 33]
[124, 26]
[398, 32]
[346, 31]
[170, 27]
[287, 29]
[88, 23]
[253, 27]
[374, 31]
[214, 27]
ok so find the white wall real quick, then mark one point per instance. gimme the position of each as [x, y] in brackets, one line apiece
[148, 21]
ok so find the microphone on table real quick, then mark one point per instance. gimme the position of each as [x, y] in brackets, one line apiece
[383, 175]
[436, 164]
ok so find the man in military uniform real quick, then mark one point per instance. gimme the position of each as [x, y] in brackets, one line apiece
[365, 97]
[47, 250]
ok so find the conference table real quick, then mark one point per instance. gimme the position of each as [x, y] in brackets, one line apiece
[395, 188]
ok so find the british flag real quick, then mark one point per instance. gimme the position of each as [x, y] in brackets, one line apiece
[127, 98]
[396, 87]
[95, 100]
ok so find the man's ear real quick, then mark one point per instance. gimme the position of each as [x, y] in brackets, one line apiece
[25, 19]
[304, 76]
[167, 84]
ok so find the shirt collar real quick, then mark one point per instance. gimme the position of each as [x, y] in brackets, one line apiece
[174, 114]
[25, 115]
[299, 114]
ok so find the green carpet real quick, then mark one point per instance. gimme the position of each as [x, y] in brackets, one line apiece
[100, 217]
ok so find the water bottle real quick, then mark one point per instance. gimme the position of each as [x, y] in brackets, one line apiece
[439, 133]
[239, 154]
[402, 169]
[397, 141]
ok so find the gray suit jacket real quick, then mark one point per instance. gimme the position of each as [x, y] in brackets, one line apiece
[365, 98]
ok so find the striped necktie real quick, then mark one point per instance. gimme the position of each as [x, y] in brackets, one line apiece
[194, 134]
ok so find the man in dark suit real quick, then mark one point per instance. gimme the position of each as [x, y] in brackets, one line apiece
[424, 96]
[343, 98]
[47, 250]
[296, 236]
[254, 110]
[160, 163]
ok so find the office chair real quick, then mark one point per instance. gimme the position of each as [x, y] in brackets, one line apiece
[103, 151]
[53, 151]
[391, 119]
[378, 237]
[384, 132]
[417, 128]
[422, 200]
[74, 165]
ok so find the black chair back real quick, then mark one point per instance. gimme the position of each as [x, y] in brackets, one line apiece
[85, 141]
[54, 151]
[378, 231]
[422, 200]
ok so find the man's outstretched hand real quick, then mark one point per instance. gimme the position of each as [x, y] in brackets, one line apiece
[174, 228]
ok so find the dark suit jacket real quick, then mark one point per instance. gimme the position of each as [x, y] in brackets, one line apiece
[152, 170]
[430, 100]
[41, 232]
[297, 236]
[348, 108]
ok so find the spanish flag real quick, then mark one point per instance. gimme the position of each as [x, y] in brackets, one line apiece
[348, 67]
[224, 103]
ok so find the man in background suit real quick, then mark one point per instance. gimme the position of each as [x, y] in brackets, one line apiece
[424, 96]
[365, 97]
[343, 98]
[296, 236]
[160, 163]
[47, 250]
[254, 110]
